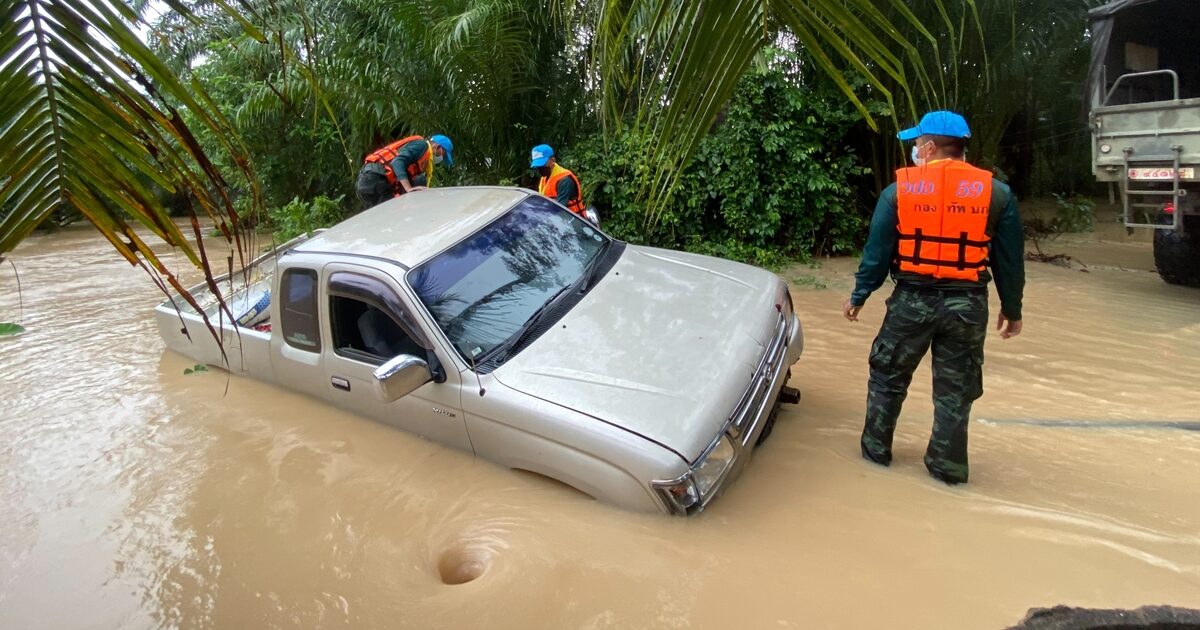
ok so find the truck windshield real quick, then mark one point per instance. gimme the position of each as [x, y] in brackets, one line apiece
[483, 290]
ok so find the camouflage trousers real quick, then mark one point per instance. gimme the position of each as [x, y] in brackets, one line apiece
[954, 323]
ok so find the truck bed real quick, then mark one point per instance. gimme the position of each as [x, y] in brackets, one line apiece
[247, 294]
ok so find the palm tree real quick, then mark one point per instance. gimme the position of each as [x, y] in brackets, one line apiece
[96, 120]
[1022, 59]
[682, 61]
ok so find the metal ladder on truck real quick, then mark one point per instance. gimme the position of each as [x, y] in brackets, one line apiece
[1138, 193]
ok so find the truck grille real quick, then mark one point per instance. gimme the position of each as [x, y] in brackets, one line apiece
[750, 407]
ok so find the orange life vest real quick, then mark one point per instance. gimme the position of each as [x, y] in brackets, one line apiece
[943, 212]
[548, 186]
[384, 156]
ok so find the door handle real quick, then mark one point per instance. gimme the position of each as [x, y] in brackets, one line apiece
[340, 383]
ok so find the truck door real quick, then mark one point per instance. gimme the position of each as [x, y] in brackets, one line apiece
[296, 337]
[370, 321]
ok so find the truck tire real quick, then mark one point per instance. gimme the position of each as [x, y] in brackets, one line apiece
[770, 426]
[1177, 256]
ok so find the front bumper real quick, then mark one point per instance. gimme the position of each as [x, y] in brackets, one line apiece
[750, 417]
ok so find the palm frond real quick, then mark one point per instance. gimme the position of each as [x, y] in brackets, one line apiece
[92, 120]
[677, 64]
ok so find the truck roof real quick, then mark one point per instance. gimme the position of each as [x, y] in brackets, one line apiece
[1116, 6]
[413, 227]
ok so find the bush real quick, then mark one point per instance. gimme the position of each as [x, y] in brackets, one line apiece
[299, 217]
[770, 183]
[1074, 214]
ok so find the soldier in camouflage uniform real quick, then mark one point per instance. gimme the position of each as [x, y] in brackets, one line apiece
[943, 231]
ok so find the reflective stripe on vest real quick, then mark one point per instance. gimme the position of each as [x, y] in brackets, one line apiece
[384, 156]
[548, 186]
[943, 213]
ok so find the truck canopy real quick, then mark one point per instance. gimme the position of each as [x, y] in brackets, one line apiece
[1136, 36]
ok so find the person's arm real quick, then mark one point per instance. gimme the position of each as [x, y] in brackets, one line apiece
[565, 191]
[402, 179]
[880, 250]
[406, 156]
[1008, 258]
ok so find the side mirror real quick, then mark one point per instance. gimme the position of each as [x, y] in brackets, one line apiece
[592, 215]
[400, 377]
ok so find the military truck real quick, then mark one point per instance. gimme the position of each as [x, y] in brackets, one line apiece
[1144, 95]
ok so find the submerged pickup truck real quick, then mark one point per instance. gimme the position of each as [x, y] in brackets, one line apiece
[495, 321]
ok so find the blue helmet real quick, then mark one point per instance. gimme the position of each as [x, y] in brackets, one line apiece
[444, 142]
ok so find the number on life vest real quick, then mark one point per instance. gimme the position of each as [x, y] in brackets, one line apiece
[969, 189]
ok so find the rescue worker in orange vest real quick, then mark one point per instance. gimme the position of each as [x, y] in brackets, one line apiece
[556, 182]
[943, 230]
[402, 166]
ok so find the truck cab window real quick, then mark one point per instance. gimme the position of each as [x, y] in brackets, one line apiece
[298, 313]
[364, 332]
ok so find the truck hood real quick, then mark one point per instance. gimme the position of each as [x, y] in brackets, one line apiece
[664, 346]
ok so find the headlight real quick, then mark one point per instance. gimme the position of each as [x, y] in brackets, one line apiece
[686, 494]
[681, 495]
[712, 467]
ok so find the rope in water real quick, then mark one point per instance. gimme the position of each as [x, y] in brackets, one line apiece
[1182, 425]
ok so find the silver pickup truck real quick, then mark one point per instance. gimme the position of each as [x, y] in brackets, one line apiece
[494, 321]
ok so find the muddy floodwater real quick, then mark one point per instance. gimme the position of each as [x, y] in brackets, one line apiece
[135, 496]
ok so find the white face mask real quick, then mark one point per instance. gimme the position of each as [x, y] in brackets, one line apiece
[915, 151]
[437, 159]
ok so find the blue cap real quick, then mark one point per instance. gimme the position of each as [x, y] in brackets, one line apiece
[940, 123]
[444, 142]
[540, 155]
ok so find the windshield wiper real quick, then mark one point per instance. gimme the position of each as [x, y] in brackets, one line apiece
[530, 323]
[586, 281]
[589, 273]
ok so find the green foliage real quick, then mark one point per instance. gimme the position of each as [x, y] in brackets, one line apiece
[331, 80]
[671, 67]
[1016, 73]
[298, 217]
[312, 85]
[770, 183]
[199, 367]
[811, 282]
[1073, 214]
[9, 329]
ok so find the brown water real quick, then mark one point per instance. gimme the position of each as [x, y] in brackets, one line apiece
[134, 496]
